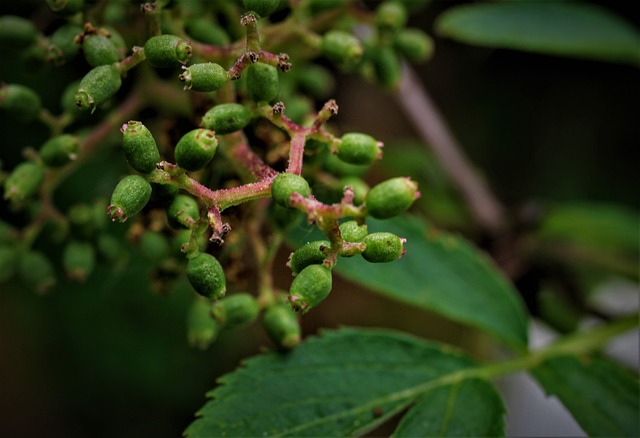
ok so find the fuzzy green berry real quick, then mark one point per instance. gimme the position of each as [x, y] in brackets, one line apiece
[24, 181]
[311, 253]
[17, 32]
[203, 30]
[286, 184]
[65, 8]
[79, 260]
[281, 324]
[359, 187]
[62, 45]
[183, 212]
[315, 80]
[60, 150]
[391, 15]
[341, 47]
[98, 86]
[382, 247]
[139, 146]
[336, 166]
[352, 231]
[20, 102]
[154, 246]
[205, 77]
[166, 51]
[206, 276]
[226, 118]
[202, 329]
[413, 44]
[262, 82]
[36, 271]
[98, 50]
[355, 148]
[263, 8]
[391, 197]
[236, 310]
[129, 197]
[310, 287]
[196, 149]
[387, 67]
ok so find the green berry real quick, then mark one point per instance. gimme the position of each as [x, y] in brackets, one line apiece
[286, 184]
[236, 310]
[263, 8]
[352, 231]
[87, 220]
[24, 181]
[310, 287]
[62, 45]
[154, 246]
[202, 329]
[183, 212]
[20, 102]
[8, 258]
[336, 166]
[311, 253]
[341, 47]
[196, 149]
[226, 118]
[359, 187]
[79, 260]
[65, 8]
[281, 324]
[60, 150]
[262, 82]
[68, 99]
[206, 276]
[355, 148]
[298, 108]
[387, 67]
[129, 197]
[203, 30]
[99, 50]
[391, 15]
[139, 146]
[17, 32]
[413, 44]
[111, 249]
[117, 39]
[98, 86]
[204, 77]
[316, 81]
[284, 218]
[36, 271]
[166, 51]
[382, 247]
[164, 192]
[391, 197]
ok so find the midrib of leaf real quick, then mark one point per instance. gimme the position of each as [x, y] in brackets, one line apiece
[453, 393]
[579, 343]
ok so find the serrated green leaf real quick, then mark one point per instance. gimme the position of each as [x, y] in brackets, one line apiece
[340, 384]
[467, 408]
[442, 273]
[573, 29]
[601, 396]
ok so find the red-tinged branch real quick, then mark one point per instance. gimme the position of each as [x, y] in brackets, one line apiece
[296, 153]
[249, 165]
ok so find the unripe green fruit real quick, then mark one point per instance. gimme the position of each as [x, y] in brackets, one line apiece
[24, 181]
[413, 44]
[226, 118]
[262, 82]
[204, 77]
[17, 32]
[79, 260]
[65, 8]
[8, 258]
[139, 146]
[164, 192]
[68, 99]
[206, 276]
[87, 220]
[129, 197]
[111, 249]
[391, 197]
[281, 324]
[341, 47]
[154, 246]
[203, 30]
[236, 310]
[263, 8]
[387, 67]
[20, 102]
[166, 51]
[391, 15]
[382, 247]
[99, 50]
[60, 150]
[336, 166]
[299, 108]
[310, 287]
[62, 45]
[202, 329]
[284, 218]
[310, 253]
[183, 212]
[316, 81]
[352, 231]
[355, 148]
[98, 86]
[286, 184]
[36, 271]
[196, 149]
[359, 187]
[117, 39]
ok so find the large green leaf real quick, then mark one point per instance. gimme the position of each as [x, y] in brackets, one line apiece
[343, 383]
[602, 396]
[466, 408]
[442, 273]
[572, 29]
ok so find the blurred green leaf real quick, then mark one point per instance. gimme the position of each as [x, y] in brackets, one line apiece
[442, 273]
[343, 383]
[468, 408]
[602, 396]
[573, 29]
